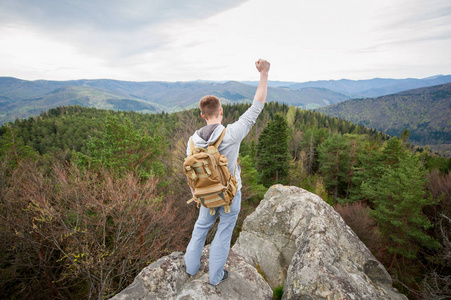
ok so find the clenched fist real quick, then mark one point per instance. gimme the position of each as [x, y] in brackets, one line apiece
[262, 65]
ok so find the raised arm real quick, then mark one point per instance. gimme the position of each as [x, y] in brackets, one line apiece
[262, 89]
[239, 129]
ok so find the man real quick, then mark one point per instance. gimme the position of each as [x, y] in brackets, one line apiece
[211, 111]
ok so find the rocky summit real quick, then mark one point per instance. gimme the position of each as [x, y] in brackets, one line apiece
[167, 279]
[299, 241]
[295, 240]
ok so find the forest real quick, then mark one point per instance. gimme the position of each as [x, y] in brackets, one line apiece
[423, 111]
[89, 197]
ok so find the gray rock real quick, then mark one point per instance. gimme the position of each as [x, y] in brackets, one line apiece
[299, 241]
[167, 279]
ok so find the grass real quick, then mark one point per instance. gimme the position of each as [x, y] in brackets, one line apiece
[277, 292]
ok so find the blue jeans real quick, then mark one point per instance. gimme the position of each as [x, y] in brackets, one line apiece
[220, 245]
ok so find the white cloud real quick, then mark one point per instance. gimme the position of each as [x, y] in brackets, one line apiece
[108, 15]
[110, 29]
[219, 40]
[36, 56]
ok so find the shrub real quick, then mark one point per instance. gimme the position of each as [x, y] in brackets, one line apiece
[81, 234]
[357, 216]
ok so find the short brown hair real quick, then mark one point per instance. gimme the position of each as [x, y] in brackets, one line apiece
[210, 106]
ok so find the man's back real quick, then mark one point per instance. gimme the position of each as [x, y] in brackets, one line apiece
[211, 111]
[235, 133]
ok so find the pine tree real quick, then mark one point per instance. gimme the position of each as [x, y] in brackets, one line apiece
[355, 143]
[399, 197]
[251, 188]
[273, 157]
[123, 148]
[372, 163]
[12, 148]
[333, 156]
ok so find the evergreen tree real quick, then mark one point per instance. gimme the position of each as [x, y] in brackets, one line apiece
[334, 157]
[372, 163]
[356, 143]
[123, 148]
[311, 153]
[251, 188]
[273, 157]
[399, 197]
[12, 148]
[405, 135]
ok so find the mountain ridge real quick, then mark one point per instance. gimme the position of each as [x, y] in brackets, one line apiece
[424, 112]
[375, 87]
[22, 99]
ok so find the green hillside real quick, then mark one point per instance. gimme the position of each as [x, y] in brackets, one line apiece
[22, 99]
[374, 87]
[72, 95]
[424, 112]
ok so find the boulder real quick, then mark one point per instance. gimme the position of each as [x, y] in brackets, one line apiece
[167, 279]
[299, 241]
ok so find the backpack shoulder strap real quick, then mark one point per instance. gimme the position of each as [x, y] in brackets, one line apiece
[219, 140]
[191, 146]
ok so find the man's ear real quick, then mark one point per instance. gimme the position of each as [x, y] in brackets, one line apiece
[202, 115]
[221, 111]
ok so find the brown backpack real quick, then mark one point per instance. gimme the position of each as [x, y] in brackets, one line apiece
[209, 177]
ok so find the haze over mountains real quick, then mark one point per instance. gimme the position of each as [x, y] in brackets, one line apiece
[22, 98]
[366, 88]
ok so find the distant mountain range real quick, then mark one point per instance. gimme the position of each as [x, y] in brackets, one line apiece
[22, 98]
[424, 112]
[365, 88]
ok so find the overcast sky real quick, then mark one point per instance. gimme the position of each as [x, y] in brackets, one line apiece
[184, 40]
